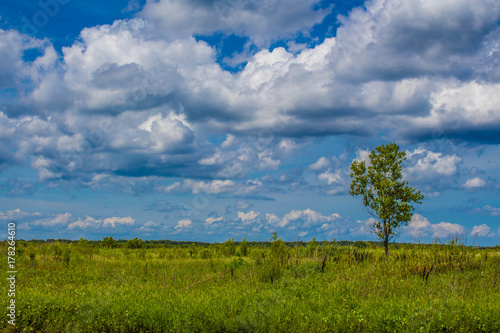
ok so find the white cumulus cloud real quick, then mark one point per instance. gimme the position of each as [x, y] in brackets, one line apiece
[301, 219]
[213, 220]
[320, 164]
[446, 229]
[248, 217]
[480, 230]
[183, 224]
[474, 183]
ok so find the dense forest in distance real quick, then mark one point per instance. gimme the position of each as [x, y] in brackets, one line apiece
[148, 244]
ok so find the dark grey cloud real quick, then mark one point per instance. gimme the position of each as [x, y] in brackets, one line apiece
[113, 76]
[488, 134]
[7, 158]
[396, 39]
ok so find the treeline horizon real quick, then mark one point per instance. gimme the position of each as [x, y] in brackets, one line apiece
[105, 242]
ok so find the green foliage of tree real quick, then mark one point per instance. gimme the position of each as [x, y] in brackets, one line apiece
[229, 248]
[273, 265]
[205, 253]
[244, 247]
[66, 257]
[135, 243]
[84, 247]
[360, 244]
[109, 242]
[57, 250]
[192, 250]
[312, 246]
[279, 251]
[387, 197]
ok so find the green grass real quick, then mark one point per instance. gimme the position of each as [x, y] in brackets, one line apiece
[77, 288]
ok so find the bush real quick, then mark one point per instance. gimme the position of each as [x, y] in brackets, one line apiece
[57, 251]
[244, 248]
[279, 250]
[109, 242]
[360, 244]
[229, 248]
[205, 253]
[135, 243]
[312, 247]
[66, 257]
[192, 250]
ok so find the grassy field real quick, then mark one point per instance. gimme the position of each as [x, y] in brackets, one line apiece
[226, 287]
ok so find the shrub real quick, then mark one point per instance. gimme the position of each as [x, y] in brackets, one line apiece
[312, 246]
[57, 251]
[66, 257]
[205, 253]
[135, 243]
[229, 248]
[109, 242]
[244, 247]
[192, 250]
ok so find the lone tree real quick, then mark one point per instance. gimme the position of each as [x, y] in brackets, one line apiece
[386, 197]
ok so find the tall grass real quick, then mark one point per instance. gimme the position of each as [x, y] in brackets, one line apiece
[314, 288]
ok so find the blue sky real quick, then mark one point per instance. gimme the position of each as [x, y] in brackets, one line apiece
[207, 120]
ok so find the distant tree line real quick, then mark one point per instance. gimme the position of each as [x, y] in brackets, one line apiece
[137, 243]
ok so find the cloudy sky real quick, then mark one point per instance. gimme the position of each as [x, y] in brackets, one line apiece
[209, 119]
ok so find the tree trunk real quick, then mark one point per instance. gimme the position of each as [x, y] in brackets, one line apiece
[386, 247]
[386, 241]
